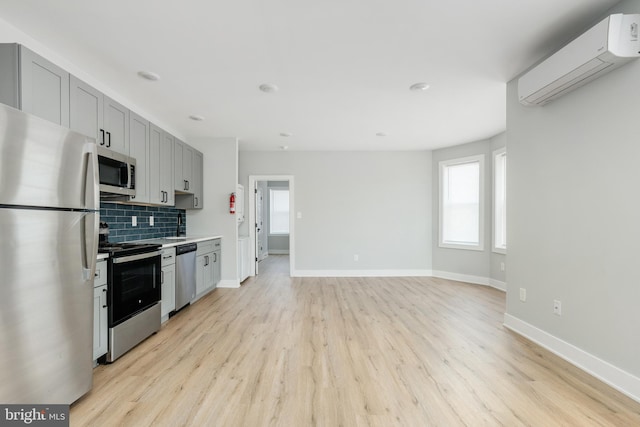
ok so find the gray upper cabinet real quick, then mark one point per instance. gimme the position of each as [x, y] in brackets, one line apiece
[139, 150]
[99, 117]
[193, 200]
[183, 161]
[33, 84]
[160, 167]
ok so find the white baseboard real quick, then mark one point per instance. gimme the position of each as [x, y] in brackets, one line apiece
[229, 283]
[501, 286]
[622, 381]
[362, 273]
[476, 280]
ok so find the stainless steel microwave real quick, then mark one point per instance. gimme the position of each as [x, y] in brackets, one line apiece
[117, 173]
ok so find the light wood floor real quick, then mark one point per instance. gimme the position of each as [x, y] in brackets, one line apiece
[345, 352]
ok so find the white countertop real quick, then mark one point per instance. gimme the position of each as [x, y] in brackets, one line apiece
[169, 242]
[172, 241]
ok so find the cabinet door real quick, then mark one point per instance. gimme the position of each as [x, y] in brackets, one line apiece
[217, 268]
[208, 271]
[86, 112]
[44, 88]
[168, 303]
[116, 126]
[198, 159]
[178, 148]
[200, 268]
[139, 150]
[156, 194]
[187, 167]
[100, 329]
[167, 168]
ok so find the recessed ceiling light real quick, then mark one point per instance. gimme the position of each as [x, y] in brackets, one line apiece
[268, 88]
[419, 87]
[285, 134]
[196, 117]
[381, 134]
[148, 75]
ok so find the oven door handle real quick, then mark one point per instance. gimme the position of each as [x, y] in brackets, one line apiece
[137, 257]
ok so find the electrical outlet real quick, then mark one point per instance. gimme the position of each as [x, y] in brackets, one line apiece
[502, 266]
[356, 257]
[557, 307]
[151, 222]
[134, 221]
[523, 294]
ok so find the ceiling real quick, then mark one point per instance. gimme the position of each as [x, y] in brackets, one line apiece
[342, 67]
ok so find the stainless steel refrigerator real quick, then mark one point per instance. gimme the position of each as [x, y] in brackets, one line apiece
[49, 201]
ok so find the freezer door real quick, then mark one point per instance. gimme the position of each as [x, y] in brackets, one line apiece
[45, 165]
[46, 306]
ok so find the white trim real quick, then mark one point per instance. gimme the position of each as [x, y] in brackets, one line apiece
[451, 162]
[232, 283]
[476, 280]
[362, 273]
[494, 248]
[253, 179]
[499, 285]
[622, 381]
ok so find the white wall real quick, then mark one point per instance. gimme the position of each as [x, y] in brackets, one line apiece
[573, 199]
[220, 173]
[373, 204]
[459, 264]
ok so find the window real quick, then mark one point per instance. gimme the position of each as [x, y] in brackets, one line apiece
[500, 201]
[461, 203]
[278, 211]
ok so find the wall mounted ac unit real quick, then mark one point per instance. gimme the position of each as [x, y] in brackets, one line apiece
[606, 46]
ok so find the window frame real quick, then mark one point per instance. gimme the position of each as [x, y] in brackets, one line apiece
[271, 191]
[495, 248]
[442, 165]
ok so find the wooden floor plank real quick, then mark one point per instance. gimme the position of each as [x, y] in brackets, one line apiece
[346, 352]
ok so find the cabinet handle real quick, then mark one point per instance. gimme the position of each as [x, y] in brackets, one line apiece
[104, 290]
[104, 306]
[109, 138]
[187, 184]
[167, 257]
[215, 257]
[102, 140]
[196, 203]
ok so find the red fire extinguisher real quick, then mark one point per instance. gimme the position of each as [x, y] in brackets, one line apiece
[232, 203]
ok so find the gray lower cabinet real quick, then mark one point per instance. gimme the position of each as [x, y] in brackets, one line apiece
[205, 266]
[100, 310]
[98, 116]
[217, 262]
[168, 280]
[32, 84]
[160, 167]
[139, 150]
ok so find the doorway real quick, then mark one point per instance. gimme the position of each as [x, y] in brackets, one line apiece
[271, 227]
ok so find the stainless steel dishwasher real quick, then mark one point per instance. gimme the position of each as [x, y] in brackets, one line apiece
[185, 274]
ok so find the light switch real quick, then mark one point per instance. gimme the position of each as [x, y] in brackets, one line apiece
[134, 221]
[151, 221]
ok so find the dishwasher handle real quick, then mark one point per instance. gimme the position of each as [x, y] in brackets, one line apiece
[183, 249]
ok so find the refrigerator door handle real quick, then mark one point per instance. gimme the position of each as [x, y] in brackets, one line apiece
[89, 226]
[92, 178]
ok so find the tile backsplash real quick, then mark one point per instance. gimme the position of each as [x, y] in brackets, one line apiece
[118, 216]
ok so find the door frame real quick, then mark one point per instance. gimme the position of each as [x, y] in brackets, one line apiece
[253, 180]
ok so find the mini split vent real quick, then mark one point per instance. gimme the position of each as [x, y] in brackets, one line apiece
[608, 45]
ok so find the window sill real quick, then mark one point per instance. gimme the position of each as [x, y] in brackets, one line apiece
[461, 246]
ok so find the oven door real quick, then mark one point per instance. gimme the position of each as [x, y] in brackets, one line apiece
[135, 285]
